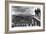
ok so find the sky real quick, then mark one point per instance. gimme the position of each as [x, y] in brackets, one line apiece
[23, 10]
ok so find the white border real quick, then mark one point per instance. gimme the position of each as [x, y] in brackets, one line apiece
[25, 28]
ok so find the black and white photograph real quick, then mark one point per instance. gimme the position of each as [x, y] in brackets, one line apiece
[25, 17]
